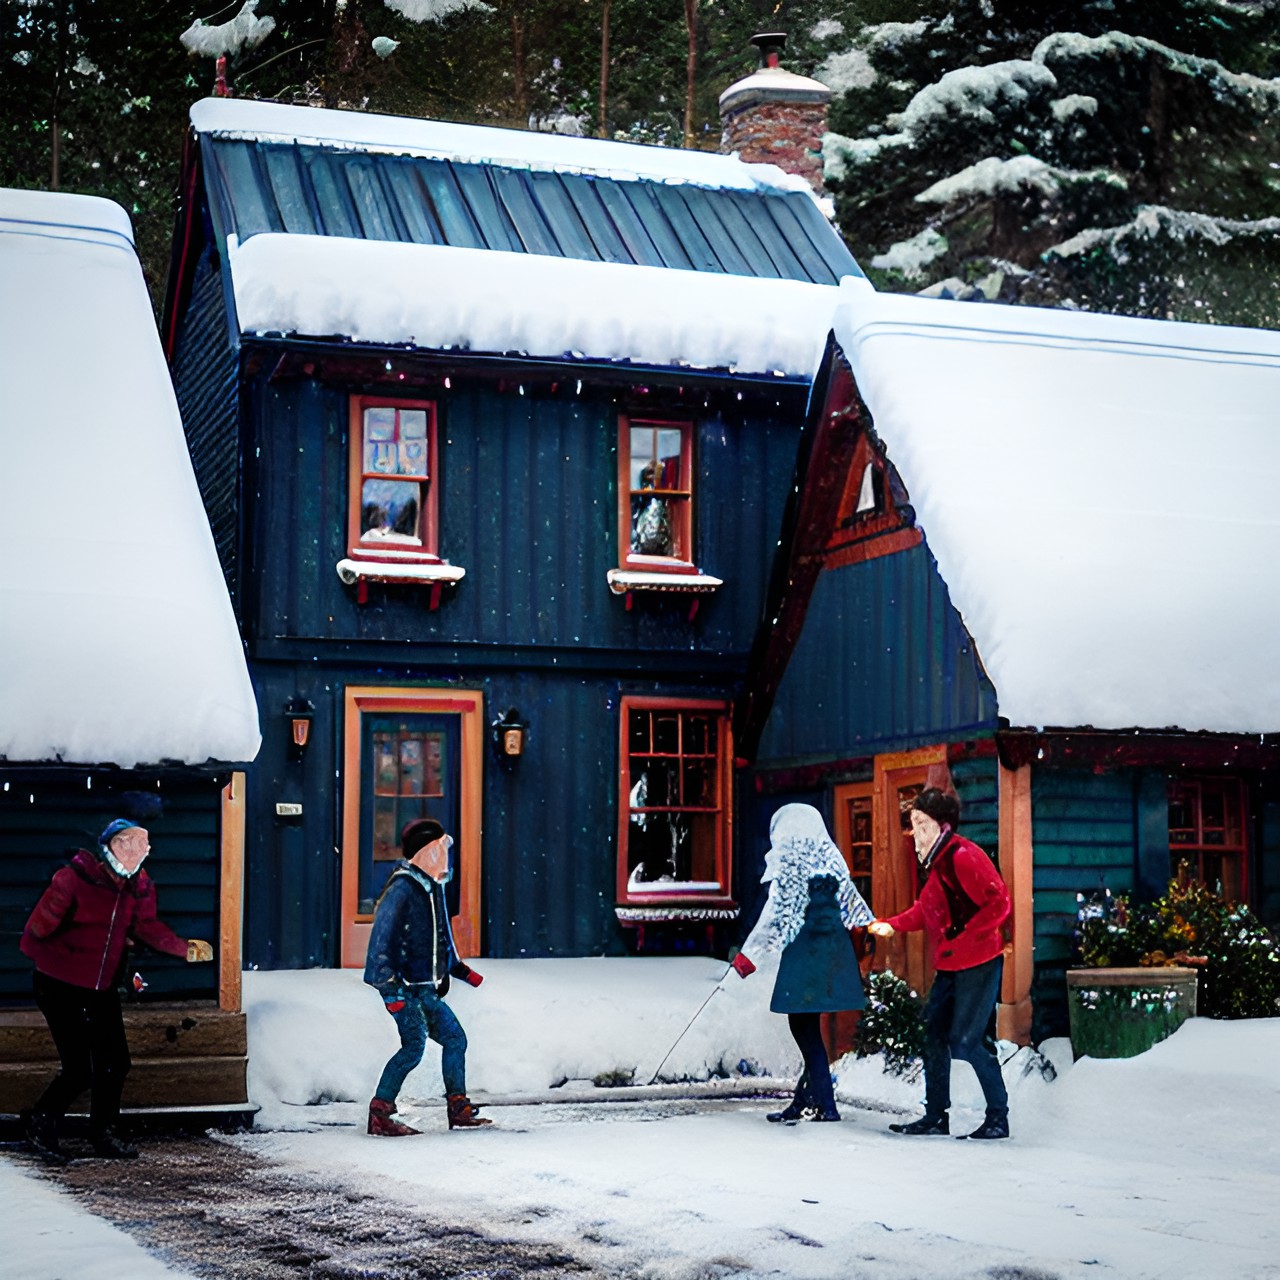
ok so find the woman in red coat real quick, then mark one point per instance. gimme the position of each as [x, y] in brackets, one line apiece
[961, 907]
[77, 936]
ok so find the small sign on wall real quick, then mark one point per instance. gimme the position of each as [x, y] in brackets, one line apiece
[285, 810]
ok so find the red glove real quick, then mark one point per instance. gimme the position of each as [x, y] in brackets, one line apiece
[742, 966]
[469, 975]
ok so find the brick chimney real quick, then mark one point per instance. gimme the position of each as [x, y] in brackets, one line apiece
[774, 116]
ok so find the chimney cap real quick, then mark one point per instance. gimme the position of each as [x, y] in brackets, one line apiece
[765, 39]
[770, 82]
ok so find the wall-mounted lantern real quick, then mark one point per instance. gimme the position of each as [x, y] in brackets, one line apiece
[299, 712]
[509, 734]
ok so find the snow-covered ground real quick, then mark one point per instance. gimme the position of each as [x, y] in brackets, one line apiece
[1159, 1166]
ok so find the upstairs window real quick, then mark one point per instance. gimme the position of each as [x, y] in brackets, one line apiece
[1207, 833]
[875, 516]
[393, 486]
[655, 495]
[674, 838]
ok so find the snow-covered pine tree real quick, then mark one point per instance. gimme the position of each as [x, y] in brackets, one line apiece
[979, 154]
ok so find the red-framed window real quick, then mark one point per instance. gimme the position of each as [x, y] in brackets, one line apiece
[392, 499]
[870, 521]
[655, 494]
[1207, 832]
[675, 815]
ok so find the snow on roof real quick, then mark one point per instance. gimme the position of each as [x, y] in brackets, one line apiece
[521, 148]
[438, 297]
[117, 640]
[1099, 493]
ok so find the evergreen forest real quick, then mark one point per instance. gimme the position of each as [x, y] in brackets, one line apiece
[1112, 155]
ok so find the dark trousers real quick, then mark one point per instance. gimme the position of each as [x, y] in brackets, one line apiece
[814, 1088]
[955, 1021]
[88, 1030]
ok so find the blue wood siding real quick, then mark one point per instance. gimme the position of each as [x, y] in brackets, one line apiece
[204, 370]
[1267, 863]
[528, 507]
[311, 190]
[46, 815]
[549, 821]
[884, 663]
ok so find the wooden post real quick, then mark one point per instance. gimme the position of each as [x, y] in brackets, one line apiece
[1013, 1013]
[231, 896]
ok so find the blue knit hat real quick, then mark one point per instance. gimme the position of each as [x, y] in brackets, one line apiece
[113, 829]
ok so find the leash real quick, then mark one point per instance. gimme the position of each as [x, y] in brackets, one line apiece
[690, 1023]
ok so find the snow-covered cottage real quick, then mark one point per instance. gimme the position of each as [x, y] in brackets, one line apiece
[496, 431]
[1082, 642]
[123, 683]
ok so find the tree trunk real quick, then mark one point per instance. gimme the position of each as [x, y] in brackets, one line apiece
[518, 70]
[691, 67]
[601, 130]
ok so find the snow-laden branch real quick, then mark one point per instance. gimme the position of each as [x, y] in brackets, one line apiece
[245, 31]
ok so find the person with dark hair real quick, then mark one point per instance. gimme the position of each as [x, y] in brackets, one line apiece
[961, 907]
[410, 960]
[812, 904]
[77, 936]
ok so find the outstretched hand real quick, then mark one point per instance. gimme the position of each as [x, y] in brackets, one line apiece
[881, 928]
[198, 951]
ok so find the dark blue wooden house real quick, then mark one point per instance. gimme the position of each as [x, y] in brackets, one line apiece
[496, 432]
[1042, 581]
[123, 685]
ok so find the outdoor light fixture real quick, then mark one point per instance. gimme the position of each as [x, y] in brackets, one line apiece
[509, 734]
[299, 712]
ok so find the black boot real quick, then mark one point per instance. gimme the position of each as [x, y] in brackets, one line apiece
[996, 1125]
[926, 1125]
[800, 1108]
[42, 1134]
[111, 1146]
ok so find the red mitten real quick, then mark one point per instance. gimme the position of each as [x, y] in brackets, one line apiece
[394, 1006]
[472, 977]
[742, 966]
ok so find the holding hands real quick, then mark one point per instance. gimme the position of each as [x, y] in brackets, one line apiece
[881, 928]
[198, 951]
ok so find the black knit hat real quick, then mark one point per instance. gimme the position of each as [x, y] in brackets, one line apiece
[942, 806]
[418, 833]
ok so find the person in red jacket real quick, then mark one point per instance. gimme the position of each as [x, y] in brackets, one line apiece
[961, 908]
[77, 936]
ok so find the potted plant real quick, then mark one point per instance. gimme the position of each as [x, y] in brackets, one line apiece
[1148, 966]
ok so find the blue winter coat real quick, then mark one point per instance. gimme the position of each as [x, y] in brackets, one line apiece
[411, 944]
[818, 972]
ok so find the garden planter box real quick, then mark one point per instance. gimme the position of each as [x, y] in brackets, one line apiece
[1119, 1013]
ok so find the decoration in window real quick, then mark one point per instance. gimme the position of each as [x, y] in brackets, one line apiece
[393, 464]
[1207, 833]
[657, 513]
[674, 829]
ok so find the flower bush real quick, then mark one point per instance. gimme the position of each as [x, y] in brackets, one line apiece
[1189, 924]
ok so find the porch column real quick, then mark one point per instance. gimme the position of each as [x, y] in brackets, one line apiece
[1013, 1013]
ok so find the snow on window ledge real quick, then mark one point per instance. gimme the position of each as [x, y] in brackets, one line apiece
[673, 911]
[623, 580]
[391, 571]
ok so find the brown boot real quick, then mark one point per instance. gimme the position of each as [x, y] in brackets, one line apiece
[381, 1125]
[462, 1115]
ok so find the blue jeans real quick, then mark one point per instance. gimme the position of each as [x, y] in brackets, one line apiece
[425, 1016]
[955, 1020]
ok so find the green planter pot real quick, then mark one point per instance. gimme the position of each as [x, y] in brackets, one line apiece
[1120, 1013]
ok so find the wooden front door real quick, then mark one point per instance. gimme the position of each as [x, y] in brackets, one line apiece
[409, 754]
[873, 830]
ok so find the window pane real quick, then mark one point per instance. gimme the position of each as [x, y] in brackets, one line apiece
[673, 850]
[389, 511]
[643, 467]
[656, 783]
[638, 737]
[386, 839]
[380, 440]
[670, 475]
[386, 772]
[666, 733]
[699, 736]
[410, 767]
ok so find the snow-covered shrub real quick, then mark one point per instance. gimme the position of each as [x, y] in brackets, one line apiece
[892, 1023]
